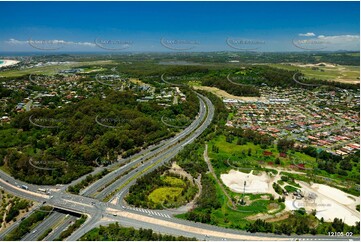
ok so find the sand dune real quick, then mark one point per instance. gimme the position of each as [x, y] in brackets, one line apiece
[8, 63]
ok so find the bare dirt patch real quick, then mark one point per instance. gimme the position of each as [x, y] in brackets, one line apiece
[225, 95]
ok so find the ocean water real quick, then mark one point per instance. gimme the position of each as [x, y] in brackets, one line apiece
[1, 62]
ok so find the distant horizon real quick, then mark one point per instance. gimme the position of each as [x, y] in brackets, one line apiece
[2, 53]
[180, 26]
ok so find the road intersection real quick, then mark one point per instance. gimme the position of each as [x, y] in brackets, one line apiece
[116, 184]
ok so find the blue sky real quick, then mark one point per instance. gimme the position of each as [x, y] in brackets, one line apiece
[179, 26]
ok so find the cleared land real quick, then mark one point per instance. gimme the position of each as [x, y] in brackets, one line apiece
[223, 94]
[54, 69]
[328, 202]
[325, 71]
[254, 184]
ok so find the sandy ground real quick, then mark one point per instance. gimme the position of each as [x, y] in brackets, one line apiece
[313, 65]
[115, 200]
[225, 95]
[329, 202]
[341, 78]
[254, 184]
[8, 63]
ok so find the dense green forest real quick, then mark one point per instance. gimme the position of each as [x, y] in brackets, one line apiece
[51, 146]
[241, 81]
[302, 223]
[115, 232]
[207, 202]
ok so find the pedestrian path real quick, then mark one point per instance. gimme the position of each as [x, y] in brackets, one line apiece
[150, 212]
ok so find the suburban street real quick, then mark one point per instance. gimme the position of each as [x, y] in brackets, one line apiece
[100, 212]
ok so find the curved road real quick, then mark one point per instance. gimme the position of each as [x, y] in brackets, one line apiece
[104, 212]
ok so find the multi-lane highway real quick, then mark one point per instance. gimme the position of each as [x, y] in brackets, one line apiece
[50, 222]
[116, 184]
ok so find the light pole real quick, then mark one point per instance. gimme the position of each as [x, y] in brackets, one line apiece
[244, 191]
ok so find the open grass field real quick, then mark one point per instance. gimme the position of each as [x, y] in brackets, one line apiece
[53, 69]
[173, 181]
[163, 194]
[339, 73]
[236, 156]
[173, 192]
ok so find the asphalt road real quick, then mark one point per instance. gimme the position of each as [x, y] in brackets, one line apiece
[47, 223]
[99, 212]
[60, 228]
[14, 225]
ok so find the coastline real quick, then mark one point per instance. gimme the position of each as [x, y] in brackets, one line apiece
[8, 63]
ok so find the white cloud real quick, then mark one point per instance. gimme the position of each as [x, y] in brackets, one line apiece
[311, 41]
[15, 42]
[340, 38]
[47, 42]
[309, 34]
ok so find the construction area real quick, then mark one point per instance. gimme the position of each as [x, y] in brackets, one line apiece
[328, 202]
